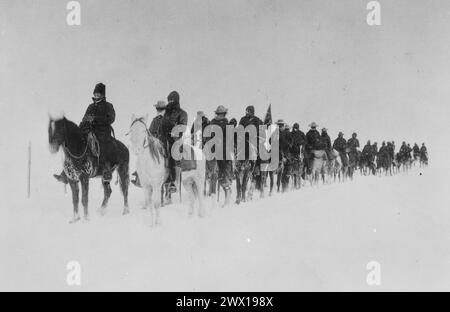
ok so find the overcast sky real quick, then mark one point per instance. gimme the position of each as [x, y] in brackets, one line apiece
[313, 60]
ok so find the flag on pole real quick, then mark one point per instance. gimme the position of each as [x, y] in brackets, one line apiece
[268, 118]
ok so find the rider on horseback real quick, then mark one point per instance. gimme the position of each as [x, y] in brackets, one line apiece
[312, 143]
[173, 117]
[416, 151]
[339, 145]
[97, 120]
[326, 142]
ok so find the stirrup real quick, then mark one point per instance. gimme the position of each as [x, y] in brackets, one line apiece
[172, 188]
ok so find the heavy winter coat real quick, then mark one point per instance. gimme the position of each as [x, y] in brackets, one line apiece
[325, 141]
[353, 144]
[222, 123]
[174, 116]
[298, 140]
[340, 144]
[156, 127]
[313, 140]
[98, 117]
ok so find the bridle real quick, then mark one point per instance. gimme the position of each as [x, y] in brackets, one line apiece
[146, 130]
[66, 148]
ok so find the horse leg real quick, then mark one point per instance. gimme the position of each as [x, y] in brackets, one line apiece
[201, 206]
[188, 185]
[85, 195]
[75, 200]
[124, 183]
[271, 182]
[106, 194]
[148, 192]
[238, 187]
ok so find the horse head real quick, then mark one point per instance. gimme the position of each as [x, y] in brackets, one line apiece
[56, 133]
[138, 133]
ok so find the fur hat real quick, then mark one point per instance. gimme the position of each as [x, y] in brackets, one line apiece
[100, 88]
[173, 97]
[250, 109]
[296, 126]
[313, 125]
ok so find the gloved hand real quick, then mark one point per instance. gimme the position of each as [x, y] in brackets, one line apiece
[85, 127]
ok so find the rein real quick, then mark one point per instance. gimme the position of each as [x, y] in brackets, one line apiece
[66, 149]
[146, 130]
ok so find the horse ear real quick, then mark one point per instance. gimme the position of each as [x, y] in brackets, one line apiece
[133, 117]
[146, 118]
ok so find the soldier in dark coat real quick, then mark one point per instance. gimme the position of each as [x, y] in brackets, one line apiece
[174, 116]
[367, 154]
[98, 119]
[340, 145]
[375, 148]
[353, 143]
[423, 153]
[403, 152]
[313, 138]
[224, 164]
[156, 124]
[416, 151]
[285, 139]
[326, 142]
[383, 155]
[250, 119]
[200, 123]
[298, 140]
[312, 143]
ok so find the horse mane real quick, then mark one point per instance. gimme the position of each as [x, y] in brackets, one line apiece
[71, 128]
[155, 147]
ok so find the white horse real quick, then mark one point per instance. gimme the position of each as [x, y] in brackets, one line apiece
[318, 166]
[334, 166]
[152, 172]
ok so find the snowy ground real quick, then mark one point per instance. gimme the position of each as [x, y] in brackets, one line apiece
[318, 238]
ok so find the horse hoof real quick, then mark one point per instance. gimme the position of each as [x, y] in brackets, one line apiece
[86, 218]
[125, 211]
[74, 220]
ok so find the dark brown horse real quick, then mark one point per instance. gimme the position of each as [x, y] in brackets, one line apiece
[81, 163]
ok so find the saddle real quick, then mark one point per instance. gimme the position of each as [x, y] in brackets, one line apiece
[188, 162]
[191, 163]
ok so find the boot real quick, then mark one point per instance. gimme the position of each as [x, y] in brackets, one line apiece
[173, 185]
[62, 177]
[135, 181]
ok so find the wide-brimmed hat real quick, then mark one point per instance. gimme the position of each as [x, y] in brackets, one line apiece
[280, 122]
[221, 110]
[160, 105]
[313, 125]
[340, 133]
